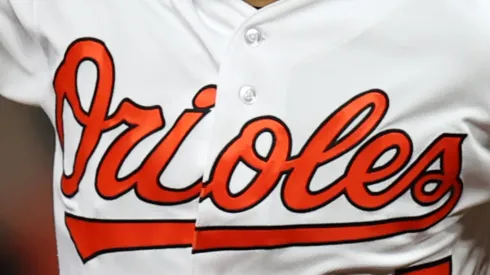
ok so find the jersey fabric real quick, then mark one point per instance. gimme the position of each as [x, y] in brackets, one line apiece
[206, 137]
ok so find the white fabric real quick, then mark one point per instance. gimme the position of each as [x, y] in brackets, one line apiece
[22, 60]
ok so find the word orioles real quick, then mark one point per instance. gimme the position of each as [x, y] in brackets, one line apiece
[330, 141]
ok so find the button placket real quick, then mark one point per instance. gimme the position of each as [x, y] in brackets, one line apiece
[253, 37]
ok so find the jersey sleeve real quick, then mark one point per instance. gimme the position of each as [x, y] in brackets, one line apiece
[22, 59]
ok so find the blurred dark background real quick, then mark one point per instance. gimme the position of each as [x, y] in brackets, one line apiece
[27, 240]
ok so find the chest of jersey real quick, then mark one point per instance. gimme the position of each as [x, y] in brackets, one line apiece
[260, 144]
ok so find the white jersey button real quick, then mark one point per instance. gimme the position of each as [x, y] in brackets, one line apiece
[253, 37]
[248, 95]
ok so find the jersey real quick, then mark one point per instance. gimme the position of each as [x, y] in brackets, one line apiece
[203, 137]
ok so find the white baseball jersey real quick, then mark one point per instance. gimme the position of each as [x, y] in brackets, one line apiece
[206, 137]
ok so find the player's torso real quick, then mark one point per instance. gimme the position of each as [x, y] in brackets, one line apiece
[344, 137]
